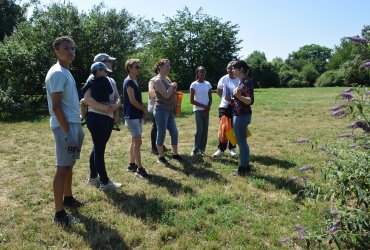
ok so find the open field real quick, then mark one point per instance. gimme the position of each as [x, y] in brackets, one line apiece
[195, 205]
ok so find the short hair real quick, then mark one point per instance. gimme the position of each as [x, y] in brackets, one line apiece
[199, 68]
[161, 62]
[59, 40]
[129, 63]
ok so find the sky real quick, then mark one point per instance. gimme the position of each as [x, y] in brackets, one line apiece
[274, 27]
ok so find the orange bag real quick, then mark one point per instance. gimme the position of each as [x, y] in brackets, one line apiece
[178, 100]
[223, 127]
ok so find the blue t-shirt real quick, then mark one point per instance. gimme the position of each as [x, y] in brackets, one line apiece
[60, 79]
[129, 111]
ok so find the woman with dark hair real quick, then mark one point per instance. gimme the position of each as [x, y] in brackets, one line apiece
[242, 113]
[201, 98]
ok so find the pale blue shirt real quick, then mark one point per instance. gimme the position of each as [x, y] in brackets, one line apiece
[60, 79]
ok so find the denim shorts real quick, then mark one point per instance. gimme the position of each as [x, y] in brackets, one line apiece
[134, 126]
[66, 155]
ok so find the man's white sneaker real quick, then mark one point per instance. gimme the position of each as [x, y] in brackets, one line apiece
[232, 152]
[218, 153]
[109, 186]
[93, 181]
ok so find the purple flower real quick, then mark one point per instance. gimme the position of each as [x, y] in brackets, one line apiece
[338, 107]
[293, 178]
[344, 135]
[338, 113]
[325, 148]
[301, 140]
[366, 65]
[353, 145]
[348, 90]
[305, 168]
[358, 39]
[284, 240]
[334, 228]
[358, 124]
[347, 95]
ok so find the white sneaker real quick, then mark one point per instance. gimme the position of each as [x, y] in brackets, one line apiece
[109, 186]
[218, 153]
[232, 152]
[93, 181]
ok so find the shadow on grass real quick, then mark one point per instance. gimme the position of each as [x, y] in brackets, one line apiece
[97, 234]
[282, 183]
[172, 186]
[227, 160]
[270, 161]
[152, 209]
[203, 171]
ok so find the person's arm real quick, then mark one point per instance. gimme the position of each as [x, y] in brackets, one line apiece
[159, 86]
[219, 92]
[118, 98]
[151, 90]
[209, 98]
[58, 110]
[244, 99]
[96, 105]
[133, 101]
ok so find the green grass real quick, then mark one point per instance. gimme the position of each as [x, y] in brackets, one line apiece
[195, 205]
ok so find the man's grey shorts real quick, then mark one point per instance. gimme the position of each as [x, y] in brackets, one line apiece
[134, 126]
[65, 154]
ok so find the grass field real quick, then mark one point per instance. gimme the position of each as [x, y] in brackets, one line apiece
[195, 205]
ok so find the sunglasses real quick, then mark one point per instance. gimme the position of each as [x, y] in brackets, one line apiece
[137, 67]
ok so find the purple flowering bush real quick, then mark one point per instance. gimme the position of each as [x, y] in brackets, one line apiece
[347, 177]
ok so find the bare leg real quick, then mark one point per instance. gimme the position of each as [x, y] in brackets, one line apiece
[137, 145]
[61, 174]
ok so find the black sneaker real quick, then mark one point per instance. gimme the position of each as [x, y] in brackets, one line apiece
[65, 221]
[71, 202]
[116, 127]
[154, 151]
[83, 122]
[141, 172]
[177, 157]
[162, 160]
[132, 168]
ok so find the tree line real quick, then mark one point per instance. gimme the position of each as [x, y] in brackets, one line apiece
[186, 39]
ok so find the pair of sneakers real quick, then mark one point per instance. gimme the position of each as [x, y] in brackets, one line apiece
[219, 152]
[62, 218]
[103, 187]
[139, 171]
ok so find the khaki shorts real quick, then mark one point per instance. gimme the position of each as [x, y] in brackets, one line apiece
[65, 155]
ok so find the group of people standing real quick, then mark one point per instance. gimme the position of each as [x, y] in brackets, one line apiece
[101, 97]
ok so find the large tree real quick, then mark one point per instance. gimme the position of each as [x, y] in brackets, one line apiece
[264, 75]
[316, 55]
[27, 55]
[11, 14]
[190, 40]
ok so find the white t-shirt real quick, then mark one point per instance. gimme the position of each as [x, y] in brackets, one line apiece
[60, 79]
[201, 90]
[227, 85]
